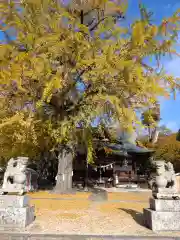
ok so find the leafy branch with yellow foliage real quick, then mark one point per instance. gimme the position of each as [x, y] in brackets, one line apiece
[59, 47]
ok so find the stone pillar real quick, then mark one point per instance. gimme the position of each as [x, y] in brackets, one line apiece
[163, 215]
[15, 212]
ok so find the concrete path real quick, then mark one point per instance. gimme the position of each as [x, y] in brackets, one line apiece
[19, 236]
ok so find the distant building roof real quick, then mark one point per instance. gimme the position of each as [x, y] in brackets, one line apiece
[122, 148]
[129, 148]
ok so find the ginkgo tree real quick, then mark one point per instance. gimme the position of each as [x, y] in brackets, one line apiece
[66, 64]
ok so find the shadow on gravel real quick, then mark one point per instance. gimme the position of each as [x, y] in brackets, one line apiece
[137, 216]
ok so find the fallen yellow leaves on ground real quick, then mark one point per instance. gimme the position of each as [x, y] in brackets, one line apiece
[118, 207]
[79, 202]
[64, 205]
[134, 196]
[46, 215]
[131, 196]
[76, 213]
[46, 194]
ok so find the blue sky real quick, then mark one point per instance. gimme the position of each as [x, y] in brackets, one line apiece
[170, 110]
[1, 35]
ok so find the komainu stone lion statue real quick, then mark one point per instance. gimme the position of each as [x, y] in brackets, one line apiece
[165, 176]
[15, 176]
[164, 182]
[170, 176]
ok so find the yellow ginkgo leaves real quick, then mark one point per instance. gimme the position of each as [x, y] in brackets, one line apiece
[138, 33]
[80, 70]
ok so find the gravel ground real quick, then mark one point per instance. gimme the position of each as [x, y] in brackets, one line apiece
[93, 221]
[81, 216]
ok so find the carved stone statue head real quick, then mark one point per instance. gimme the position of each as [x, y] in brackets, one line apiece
[160, 167]
[170, 167]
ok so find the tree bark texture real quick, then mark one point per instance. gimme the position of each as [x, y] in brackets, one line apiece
[155, 136]
[65, 170]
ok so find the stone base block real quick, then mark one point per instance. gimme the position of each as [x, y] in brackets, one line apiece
[162, 221]
[164, 205]
[14, 201]
[165, 190]
[12, 217]
[167, 196]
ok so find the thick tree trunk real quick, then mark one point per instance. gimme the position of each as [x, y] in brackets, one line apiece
[65, 170]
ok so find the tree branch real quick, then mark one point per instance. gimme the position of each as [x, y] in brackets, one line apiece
[83, 71]
[96, 25]
[117, 17]
[82, 17]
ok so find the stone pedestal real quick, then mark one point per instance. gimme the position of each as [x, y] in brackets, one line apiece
[15, 211]
[163, 215]
[166, 193]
